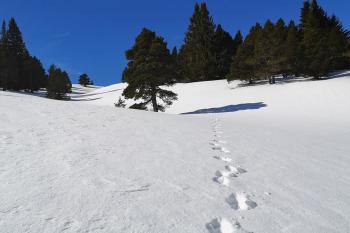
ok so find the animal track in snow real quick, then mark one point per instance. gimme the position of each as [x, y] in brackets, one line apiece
[223, 158]
[214, 144]
[223, 225]
[241, 201]
[235, 170]
[225, 173]
[225, 150]
[221, 148]
[223, 180]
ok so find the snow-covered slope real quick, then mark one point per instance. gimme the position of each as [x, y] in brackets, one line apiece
[264, 159]
[294, 96]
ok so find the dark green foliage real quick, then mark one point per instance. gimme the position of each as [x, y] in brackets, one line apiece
[4, 58]
[197, 58]
[35, 77]
[324, 42]
[150, 67]
[237, 42]
[58, 84]
[18, 69]
[293, 51]
[19, 54]
[244, 66]
[84, 80]
[318, 46]
[224, 49]
[139, 106]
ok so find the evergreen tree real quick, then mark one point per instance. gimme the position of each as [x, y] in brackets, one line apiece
[196, 57]
[293, 50]
[150, 67]
[304, 15]
[4, 58]
[237, 42]
[263, 52]
[244, 66]
[174, 54]
[224, 49]
[35, 74]
[84, 80]
[18, 53]
[278, 63]
[58, 83]
[324, 42]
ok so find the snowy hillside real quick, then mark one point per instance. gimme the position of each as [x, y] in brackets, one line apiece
[263, 159]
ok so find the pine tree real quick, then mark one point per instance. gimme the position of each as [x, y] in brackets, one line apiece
[263, 52]
[338, 39]
[278, 51]
[324, 42]
[84, 80]
[196, 57]
[237, 42]
[293, 50]
[224, 49]
[244, 66]
[174, 54]
[18, 53]
[35, 74]
[58, 83]
[150, 66]
[4, 58]
[304, 15]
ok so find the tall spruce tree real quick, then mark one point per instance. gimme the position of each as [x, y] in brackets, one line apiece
[324, 42]
[150, 66]
[237, 42]
[4, 58]
[293, 50]
[224, 49]
[18, 53]
[35, 74]
[263, 52]
[244, 66]
[196, 57]
[278, 51]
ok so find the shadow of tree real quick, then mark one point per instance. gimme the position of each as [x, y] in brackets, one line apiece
[230, 108]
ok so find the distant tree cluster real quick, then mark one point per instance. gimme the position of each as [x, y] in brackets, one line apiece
[314, 48]
[208, 50]
[18, 69]
[58, 83]
[84, 80]
[21, 71]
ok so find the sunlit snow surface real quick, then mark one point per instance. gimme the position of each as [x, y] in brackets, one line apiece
[264, 158]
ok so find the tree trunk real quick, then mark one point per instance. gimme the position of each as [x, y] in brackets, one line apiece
[154, 101]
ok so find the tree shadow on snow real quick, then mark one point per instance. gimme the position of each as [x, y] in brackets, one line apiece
[230, 108]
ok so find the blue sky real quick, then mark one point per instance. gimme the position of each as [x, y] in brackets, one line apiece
[88, 36]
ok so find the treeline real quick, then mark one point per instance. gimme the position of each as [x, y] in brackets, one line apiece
[314, 47]
[318, 45]
[20, 71]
